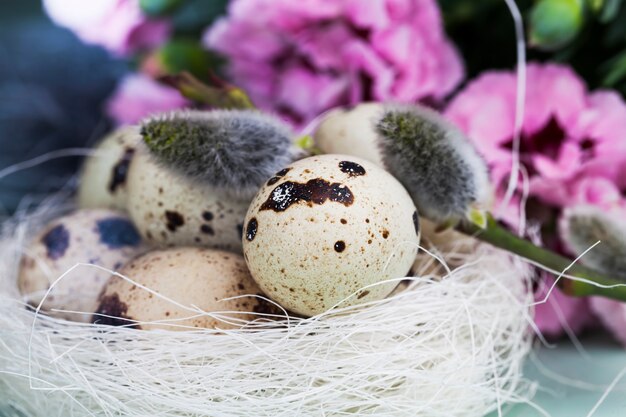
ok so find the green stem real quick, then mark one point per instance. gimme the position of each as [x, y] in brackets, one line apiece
[498, 236]
[223, 97]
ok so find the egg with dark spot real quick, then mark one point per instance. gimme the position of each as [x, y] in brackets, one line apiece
[194, 278]
[171, 210]
[90, 236]
[326, 230]
[103, 179]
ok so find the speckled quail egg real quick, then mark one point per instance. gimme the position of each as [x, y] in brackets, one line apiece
[102, 181]
[190, 277]
[351, 131]
[324, 228]
[95, 236]
[171, 210]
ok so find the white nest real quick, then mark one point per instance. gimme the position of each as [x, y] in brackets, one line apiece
[442, 347]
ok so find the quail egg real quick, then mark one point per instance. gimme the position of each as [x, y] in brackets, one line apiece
[351, 131]
[191, 277]
[171, 210]
[91, 236]
[103, 177]
[324, 228]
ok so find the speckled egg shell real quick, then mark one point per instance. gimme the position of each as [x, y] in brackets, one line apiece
[189, 276]
[170, 210]
[95, 236]
[327, 226]
[351, 131]
[102, 181]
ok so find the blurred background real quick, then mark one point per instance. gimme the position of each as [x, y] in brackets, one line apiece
[66, 83]
[53, 89]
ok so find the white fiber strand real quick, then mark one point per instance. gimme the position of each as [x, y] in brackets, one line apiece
[520, 105]
[450, 346]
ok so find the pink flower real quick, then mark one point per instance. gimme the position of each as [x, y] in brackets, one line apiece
[302, 57]
[572, 148]
[117, 25]
[613, 315]
[568, 134]
[139, 96]
[560, 311]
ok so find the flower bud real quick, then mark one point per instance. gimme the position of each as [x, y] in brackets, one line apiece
[554, 23]
[583, 226]
[436, 163]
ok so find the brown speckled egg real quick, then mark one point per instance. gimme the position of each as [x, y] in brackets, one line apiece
[170, 210]
[189, 276]
[351, 131]
[327, 226]
[92, 236]
[102, 182]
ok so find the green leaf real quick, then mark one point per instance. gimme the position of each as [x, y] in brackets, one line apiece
[186, 55]
[555, 23]
[478, 217]
[609, 10]
[305, 142]
[615, 32]
[616, 70]
[156, 8]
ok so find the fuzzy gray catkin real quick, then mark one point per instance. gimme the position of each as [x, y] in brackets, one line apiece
[235, 150]
[437, 164]
[585, 225]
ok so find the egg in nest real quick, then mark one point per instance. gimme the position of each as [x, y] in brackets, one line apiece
[326, 227]
[196, 279]
[91, 236]
[102, 182]
[170, 210]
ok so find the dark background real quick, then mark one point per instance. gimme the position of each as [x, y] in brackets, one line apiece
[52, 91]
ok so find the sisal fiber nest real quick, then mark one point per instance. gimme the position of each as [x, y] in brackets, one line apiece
[444, 344]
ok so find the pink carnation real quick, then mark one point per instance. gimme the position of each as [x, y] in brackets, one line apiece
[117, 25]
[139, 96]
[302, 57]
[613, 316]
[572, 147]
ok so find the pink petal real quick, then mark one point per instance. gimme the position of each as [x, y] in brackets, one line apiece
[395, 43]
[138, 96]
[550, 191]
[597, 191]
[567, 164]
[322, 51]
[261, 43]
[300, 88]
[552, 91]
[374, 15]
[485, 110]
[363, 60]
[560, 310]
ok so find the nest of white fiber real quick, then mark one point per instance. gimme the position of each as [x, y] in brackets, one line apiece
[449, 344]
